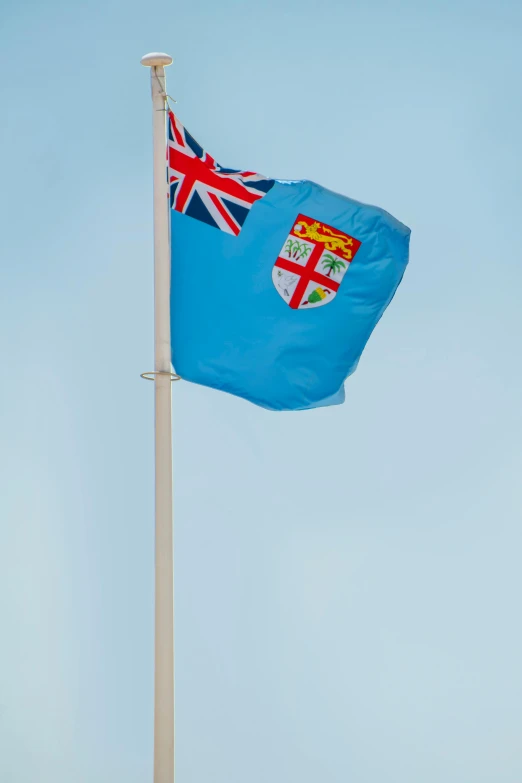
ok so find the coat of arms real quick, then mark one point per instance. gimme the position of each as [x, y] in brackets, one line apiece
[312, 263]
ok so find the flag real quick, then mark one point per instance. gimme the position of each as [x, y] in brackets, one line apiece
[276, 285]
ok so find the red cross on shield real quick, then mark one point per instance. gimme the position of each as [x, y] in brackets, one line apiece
[312, 263]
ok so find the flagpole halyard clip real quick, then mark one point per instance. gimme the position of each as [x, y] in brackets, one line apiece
[150, 376]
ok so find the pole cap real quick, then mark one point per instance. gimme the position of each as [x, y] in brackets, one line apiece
[156, 58]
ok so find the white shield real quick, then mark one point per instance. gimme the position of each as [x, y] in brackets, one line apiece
[312, 263]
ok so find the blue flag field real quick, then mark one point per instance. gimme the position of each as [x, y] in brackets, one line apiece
[276, 285]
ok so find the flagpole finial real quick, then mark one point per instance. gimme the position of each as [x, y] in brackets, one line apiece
[155, 59]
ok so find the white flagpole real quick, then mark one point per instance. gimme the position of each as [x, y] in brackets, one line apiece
[164, 570]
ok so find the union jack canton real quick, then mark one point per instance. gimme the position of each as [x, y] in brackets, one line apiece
[202, 189]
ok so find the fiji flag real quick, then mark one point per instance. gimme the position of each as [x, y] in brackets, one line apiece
[276, 285]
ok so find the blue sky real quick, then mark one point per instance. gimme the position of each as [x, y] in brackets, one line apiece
[347, 579]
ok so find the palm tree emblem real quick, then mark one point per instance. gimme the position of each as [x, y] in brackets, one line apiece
[332, 263]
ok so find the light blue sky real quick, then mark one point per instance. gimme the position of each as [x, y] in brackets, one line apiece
[348, 579]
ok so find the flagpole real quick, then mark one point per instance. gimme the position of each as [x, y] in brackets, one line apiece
[164, 558]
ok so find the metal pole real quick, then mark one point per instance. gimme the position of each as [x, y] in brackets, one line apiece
[164, 570]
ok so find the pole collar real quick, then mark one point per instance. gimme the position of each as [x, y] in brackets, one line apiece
[150, 376]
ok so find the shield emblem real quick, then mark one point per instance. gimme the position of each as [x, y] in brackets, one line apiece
[312, 263]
